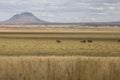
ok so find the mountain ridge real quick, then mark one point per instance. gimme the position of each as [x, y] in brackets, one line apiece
[23, 18]
[27, 18]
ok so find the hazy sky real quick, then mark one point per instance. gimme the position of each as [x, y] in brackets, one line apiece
[63, 10]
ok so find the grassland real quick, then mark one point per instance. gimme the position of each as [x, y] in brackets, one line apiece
[44, 44]
[62, 35]
[33, 53]
[57, 28]
[35, 40]
[22, 47]
[59, 68]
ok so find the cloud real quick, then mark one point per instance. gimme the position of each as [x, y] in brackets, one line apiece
[64, 10]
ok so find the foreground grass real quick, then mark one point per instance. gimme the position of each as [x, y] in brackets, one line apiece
[47, 47]
[59, 68]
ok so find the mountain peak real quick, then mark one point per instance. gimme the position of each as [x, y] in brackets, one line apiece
[27, 14]
[24, 18]
[24, 14]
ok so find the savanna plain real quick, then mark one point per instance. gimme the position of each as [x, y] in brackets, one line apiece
[59, 52]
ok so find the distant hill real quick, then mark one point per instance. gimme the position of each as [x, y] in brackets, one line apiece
[28, 18]
[23, 18]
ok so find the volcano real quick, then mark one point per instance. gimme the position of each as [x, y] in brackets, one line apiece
[23, 18]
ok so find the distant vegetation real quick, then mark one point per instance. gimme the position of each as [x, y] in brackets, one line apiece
[58, 28]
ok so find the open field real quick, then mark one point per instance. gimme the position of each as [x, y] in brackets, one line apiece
[57, 28]
[58, 53]
[59, 68]
[105, 40]
[45, 44]
[62, 35]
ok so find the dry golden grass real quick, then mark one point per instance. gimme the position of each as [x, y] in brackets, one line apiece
[57, 28]
[62, 35]
[75, 67]
[59, 68]
[47, 47]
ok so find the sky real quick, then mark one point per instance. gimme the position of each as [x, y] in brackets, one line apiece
[63, 10]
